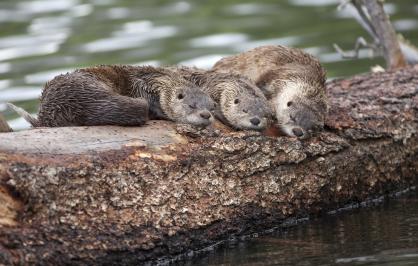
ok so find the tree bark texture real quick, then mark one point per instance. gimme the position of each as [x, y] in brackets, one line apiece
[113, 195]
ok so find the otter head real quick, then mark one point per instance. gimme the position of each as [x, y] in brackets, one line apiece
[243, 108]
[190, 105]
[300, 108]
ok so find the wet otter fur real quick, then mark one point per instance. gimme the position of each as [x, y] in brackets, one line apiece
[292, 80]
[120, 95]
[241, 104]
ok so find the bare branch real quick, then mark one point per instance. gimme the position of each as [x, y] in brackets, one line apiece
[360, 43]
[386, 34]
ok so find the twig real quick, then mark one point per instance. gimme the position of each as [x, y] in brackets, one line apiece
[386, 34]
[372, 17]
[360, 43]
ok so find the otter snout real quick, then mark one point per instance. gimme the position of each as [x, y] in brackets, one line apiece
[297, 131]
[205, 115]
[255, 121]
[299, 120]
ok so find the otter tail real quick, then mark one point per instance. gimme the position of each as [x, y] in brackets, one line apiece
[28, 117]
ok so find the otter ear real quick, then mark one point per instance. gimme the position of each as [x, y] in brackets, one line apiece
[265, 80]
[262, 83]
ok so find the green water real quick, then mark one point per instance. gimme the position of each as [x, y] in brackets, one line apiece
[42, 38]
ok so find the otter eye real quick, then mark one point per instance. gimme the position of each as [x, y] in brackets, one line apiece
[245, 110]
[180, 96]
[289, 104]
[236, 101]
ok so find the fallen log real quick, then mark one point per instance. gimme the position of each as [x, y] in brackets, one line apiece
[113, 195]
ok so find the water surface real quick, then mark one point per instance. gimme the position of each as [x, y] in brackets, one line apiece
[42, 38]
[386, 234]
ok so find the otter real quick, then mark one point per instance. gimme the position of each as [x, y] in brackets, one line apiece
[120, 95]
[292, 80]
[241, 104]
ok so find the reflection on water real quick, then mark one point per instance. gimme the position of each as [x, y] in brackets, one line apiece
[40, 39]
[382, 235]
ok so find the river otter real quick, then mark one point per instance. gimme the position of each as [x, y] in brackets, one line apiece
[120, 95]
[241, 104]
[291, 79]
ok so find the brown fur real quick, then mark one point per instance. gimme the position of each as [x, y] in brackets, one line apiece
[285, 74]
[121, 95]
[252, 110]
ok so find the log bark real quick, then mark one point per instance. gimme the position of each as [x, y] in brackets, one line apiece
[112, 195]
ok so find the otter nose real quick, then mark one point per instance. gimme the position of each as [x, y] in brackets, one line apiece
[205, 115]
[255, 121]
[297, 131]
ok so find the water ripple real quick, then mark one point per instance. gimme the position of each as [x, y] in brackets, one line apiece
[19, 52]
[46, 6]
[314, 2]
[126, 38]
[287, 41]
[4, 83]
[25, 40]
[223, 39]
[5, 67]
[44, 25]
[205, 61]
[154, 63]
[44, 76]
[178, 8]
[81, 10]
[252, 8]
[405, 24]
[20, 94]
[117, 13]
[9, 15]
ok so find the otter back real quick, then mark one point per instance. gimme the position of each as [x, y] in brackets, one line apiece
[293, 81]
[121, 95]
[82, 98]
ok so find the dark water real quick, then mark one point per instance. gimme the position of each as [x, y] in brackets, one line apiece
[43, 38]
[386, 234]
